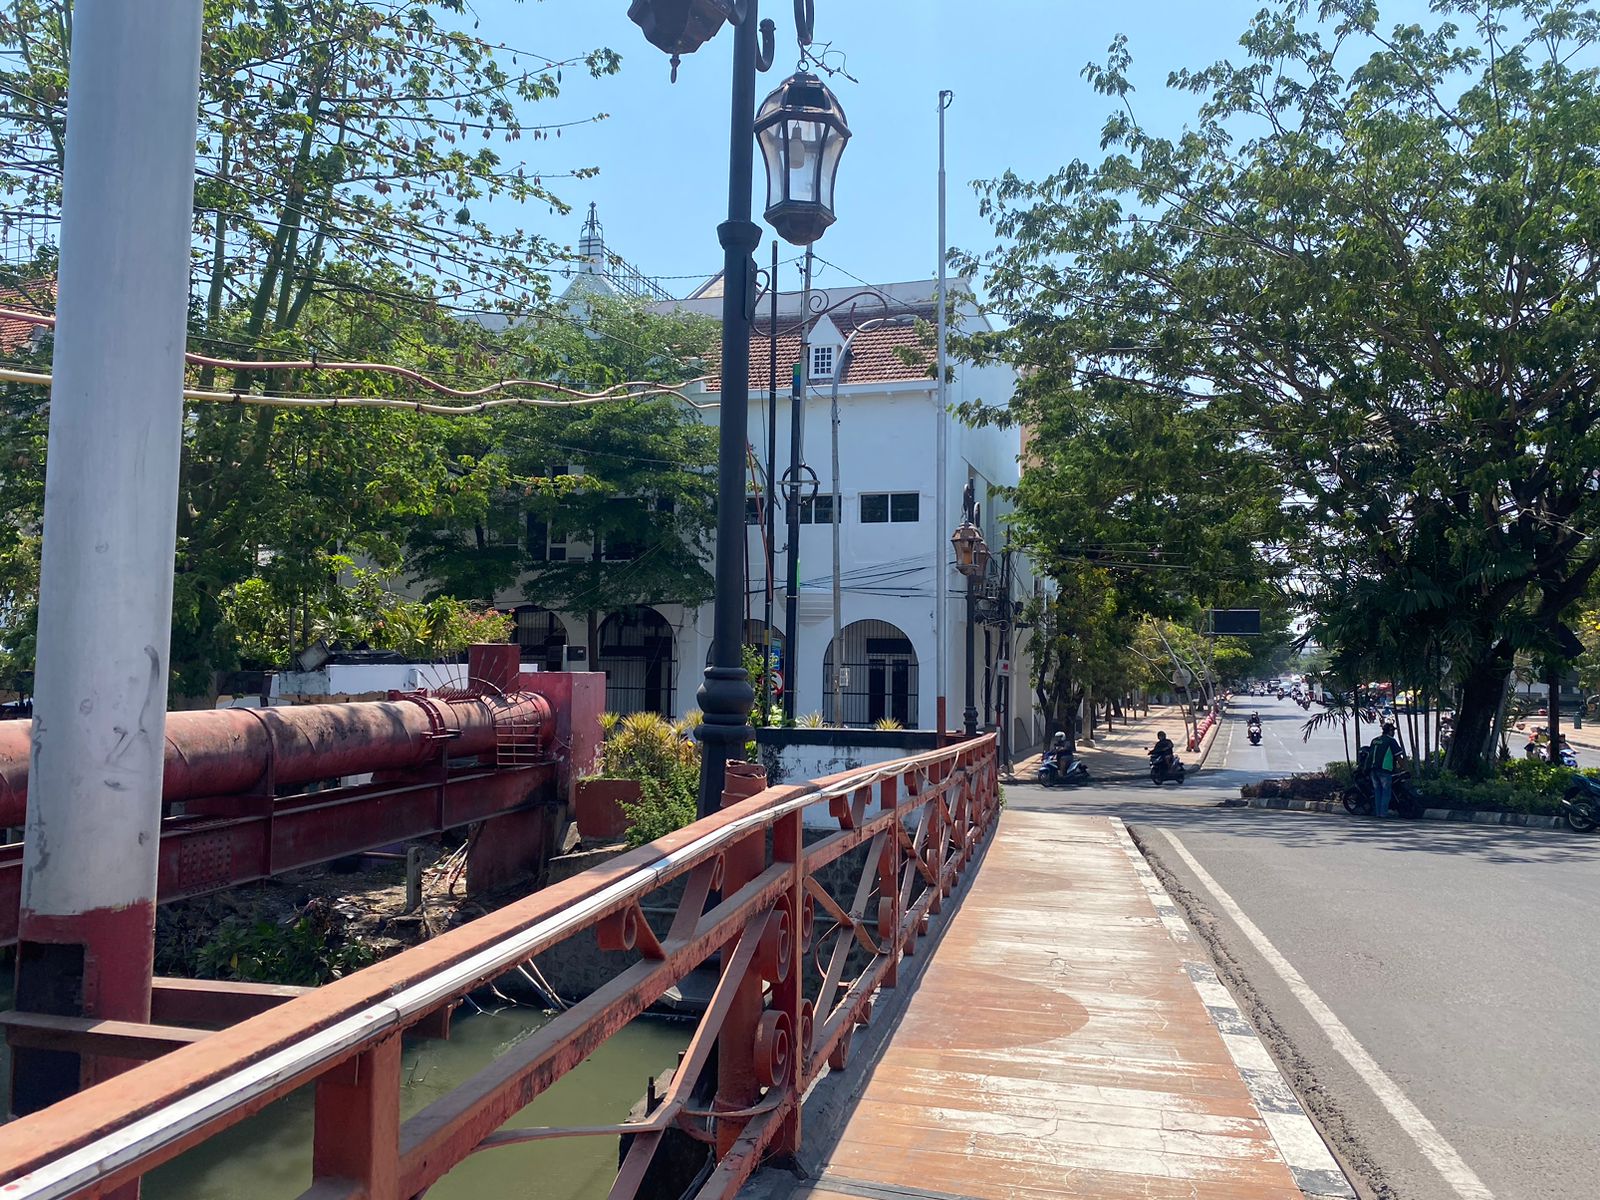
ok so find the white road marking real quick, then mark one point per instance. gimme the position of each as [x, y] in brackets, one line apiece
[1450, 1165]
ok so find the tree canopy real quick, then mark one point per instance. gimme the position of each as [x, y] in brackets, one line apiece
[346, 150]
[1371, 258]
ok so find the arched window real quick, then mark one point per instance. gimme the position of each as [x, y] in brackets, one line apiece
[636, 653]
[880, 675]
[541, 635]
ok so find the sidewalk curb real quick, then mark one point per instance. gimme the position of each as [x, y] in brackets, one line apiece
[1206, 743]
[1315, 1171]
[1460, 816]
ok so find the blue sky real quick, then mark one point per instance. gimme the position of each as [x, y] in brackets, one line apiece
[1021, 104]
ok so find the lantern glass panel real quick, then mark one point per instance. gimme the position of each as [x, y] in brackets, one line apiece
[828, 167]
[775, 152]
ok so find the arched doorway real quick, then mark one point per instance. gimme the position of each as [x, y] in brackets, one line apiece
[880, 681]
[636, 653]
[541, 635]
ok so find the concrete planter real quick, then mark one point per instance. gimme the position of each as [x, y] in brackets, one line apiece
[597, 807]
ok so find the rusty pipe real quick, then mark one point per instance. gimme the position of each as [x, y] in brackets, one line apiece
[229, 751]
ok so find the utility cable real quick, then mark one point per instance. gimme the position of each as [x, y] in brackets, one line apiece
[574, 398]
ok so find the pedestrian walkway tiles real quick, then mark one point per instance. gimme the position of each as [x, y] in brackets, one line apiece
[1057, 1046]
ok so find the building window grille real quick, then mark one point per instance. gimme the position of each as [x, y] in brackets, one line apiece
[882, 508]
[816, 510]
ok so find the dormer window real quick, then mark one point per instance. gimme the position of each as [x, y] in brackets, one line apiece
[822, 360]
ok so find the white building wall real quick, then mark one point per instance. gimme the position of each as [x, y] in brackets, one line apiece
[893, 572]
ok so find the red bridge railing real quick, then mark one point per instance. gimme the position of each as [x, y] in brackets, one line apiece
[751, 890]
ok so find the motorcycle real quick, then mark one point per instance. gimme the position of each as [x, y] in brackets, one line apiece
[1164, 767]
[1404, 800]
[1253, 731]
[1581, 805]
[1062, 770]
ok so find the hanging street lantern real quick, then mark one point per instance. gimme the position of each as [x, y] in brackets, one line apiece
[802, 131]
[680, 27]
[966, 540]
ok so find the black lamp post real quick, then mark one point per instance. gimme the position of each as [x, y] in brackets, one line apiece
[802, 136]
[972, 560]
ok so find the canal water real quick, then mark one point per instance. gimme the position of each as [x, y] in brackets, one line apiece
[268, 1157]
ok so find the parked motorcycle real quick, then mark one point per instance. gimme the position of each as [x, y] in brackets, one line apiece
[1062, 770]
[1405, 800]
[1581, 805]
[1164, 767]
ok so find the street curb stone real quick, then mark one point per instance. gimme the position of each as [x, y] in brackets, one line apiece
[1458, 815]
[1315, 1171]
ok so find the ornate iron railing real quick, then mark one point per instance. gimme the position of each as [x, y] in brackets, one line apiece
[750, 890]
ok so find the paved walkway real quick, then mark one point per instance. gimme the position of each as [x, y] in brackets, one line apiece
[1120, 752]
[1058, 1046]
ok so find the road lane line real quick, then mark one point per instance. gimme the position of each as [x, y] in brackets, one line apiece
[1450, 1165]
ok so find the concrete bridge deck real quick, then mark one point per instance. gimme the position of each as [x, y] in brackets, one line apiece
[1058, 1044]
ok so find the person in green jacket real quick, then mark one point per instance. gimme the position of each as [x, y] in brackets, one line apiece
[1385, 757]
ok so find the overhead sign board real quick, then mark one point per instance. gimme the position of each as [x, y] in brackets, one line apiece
[1235, 622]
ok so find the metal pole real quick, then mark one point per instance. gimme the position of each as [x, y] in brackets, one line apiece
[772, 479]
[1008, 645]
[841, 369]
[970, 713]
[941, 573]
[725, 697]
[90, 856]
[838, 600]
[797, 398]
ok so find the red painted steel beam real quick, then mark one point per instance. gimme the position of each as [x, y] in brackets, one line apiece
[214, 1003]
[316, 1035]
[208, 854]
[237, 751]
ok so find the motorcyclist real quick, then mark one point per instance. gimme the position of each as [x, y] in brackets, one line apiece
[1255, 720]
[1163, 750]
[1060, 751]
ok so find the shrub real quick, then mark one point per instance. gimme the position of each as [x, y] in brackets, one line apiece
[811, 721]
[1523, 786]
[645, 746]
[308, 952]
[665, 804]
[1340, 771]
[1537, 775]
[887, 724]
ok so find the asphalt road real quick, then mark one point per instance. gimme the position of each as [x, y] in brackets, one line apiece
[1431, 990]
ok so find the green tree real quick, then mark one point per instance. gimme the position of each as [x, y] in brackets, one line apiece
[343, 146]
[588, 509]
[1372, 255]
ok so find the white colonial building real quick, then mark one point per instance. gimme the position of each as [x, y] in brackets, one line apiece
[895, 564]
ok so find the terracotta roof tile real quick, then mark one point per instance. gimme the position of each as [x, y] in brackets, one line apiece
[17, 336]
[875, 358]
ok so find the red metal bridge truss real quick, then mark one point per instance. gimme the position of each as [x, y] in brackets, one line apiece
[750, 893]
